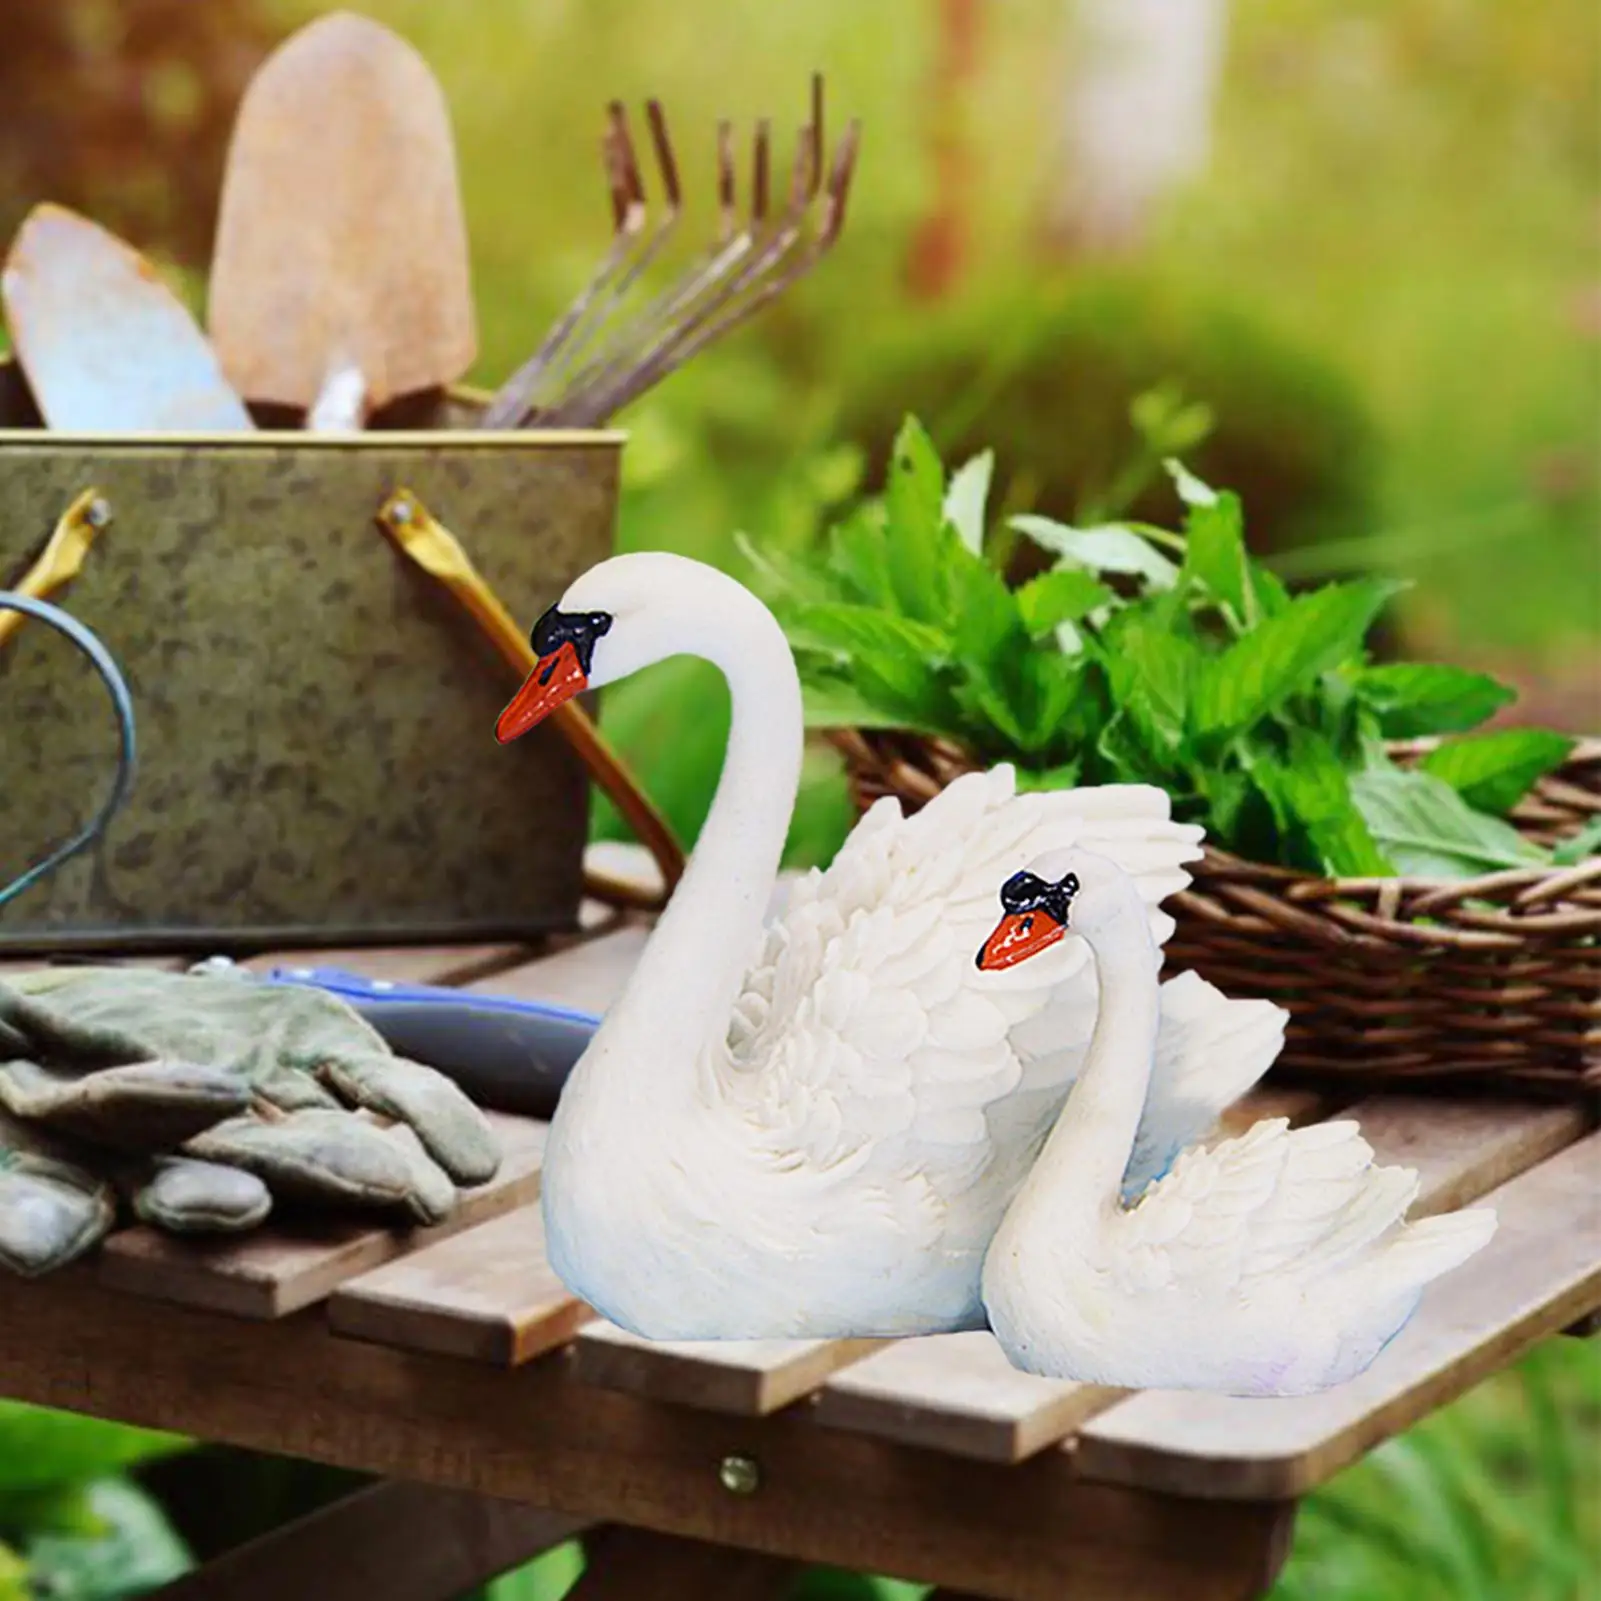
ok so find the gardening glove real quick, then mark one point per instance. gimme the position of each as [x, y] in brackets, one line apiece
[51, 1209]
[57, 1199]
[305, 1072]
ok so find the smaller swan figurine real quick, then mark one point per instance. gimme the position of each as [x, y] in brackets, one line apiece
[1275, 1263]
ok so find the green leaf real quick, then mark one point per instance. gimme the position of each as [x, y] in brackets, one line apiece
[1190, 488]
[1493, 772]
[1286, 654]
[1268, 587]
[14, 1584]
[1314, 788]
[1427, 829]
[987, 626]
[845, 629]
[1062, 596]
[1167, 423]
[966, 498]
[43, 1449]
[859, 556]
[834, 702]
[1063, 777]
[1414, 698]
[132, 1549]
[1153, 673]
[1216, 558]
[1579, 847]
[904, 686]
[914, 523]
[983, 699]
[1112, 548]
[1053, 686]
[781, 576]
[1120, 747]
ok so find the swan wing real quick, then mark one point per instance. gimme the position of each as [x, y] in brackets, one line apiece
[865, 1034]
[1278, 1201]
[1209, 1051]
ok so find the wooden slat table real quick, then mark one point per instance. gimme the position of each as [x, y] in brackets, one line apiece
[453, 1361]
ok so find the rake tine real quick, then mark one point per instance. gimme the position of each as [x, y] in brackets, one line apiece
[727, 201]
[622, 173]
[760, 171]
[669, 337]
[691, 340]
[818, 143]
[630, 214]
[599, 311]
[676, 312]
[621, 348]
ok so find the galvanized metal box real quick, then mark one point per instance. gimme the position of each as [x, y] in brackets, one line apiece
[317, 761]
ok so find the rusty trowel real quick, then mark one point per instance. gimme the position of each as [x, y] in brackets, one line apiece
[340, 278]
[106, 346]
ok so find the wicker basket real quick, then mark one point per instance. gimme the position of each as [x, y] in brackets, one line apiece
[1493, 980]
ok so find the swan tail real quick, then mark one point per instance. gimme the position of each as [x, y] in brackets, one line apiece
[1430, 1248]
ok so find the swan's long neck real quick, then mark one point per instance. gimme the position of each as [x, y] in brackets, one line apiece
[680, 996]
[1081, 1167]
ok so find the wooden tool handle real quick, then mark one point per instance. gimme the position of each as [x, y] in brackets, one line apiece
[433, 548]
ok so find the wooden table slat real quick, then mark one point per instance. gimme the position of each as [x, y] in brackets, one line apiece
[1462, 1149]
[587, 976]
[625, 1564]
[486, 1294]
[285, 1266]
[403, 1542]
[749, 1378]
[957, 1393]
[1540, 1273]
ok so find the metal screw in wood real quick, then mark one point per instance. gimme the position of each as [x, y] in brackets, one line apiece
[739, 1475]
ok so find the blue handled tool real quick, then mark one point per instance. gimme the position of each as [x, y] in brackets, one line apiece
[506, 1053]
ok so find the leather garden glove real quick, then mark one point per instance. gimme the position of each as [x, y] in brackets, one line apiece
[51, 1209]
[129, 1052]
[58, 1200]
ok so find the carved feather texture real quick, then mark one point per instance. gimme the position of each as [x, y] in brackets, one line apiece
[865, 1028]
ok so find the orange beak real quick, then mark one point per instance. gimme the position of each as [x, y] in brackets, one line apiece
[555, 678]
[1018, 936]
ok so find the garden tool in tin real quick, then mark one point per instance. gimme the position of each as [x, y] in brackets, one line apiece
[600, 355]
[206, 1097]
[507, 1053]
[106, 346]
[340, 278]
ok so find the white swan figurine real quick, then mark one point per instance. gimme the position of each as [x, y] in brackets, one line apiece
[1276, 1263]
[814, 1133]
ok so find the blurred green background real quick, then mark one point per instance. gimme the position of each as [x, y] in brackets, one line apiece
[1367, 241]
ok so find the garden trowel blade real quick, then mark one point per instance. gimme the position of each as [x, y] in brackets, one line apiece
[341, 249]
[106, 346]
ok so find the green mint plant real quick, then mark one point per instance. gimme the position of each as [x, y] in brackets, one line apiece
[1153, 655]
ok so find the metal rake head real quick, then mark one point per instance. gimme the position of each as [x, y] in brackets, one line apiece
[600, 355]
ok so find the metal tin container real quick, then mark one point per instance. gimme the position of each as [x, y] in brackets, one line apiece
[317, 762]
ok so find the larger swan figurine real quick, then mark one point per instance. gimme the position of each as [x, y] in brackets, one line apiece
[814, 1133]
[1275, 1263]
